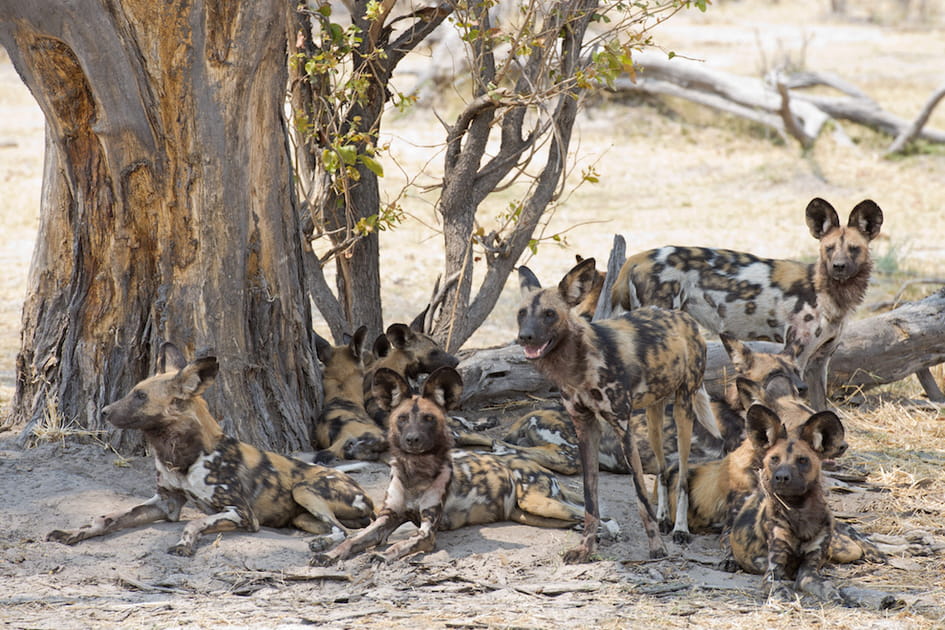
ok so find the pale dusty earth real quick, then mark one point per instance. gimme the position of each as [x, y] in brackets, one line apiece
[690, 178]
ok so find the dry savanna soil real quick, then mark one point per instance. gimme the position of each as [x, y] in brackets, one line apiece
[669, 172]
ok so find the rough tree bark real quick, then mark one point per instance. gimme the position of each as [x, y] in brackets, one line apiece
[168, 211]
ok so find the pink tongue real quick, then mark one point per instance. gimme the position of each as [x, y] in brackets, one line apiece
[533, 352]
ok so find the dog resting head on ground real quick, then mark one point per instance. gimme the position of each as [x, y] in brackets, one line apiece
[343, 429]
[237, 485]
[440, 489]
[645, 358]
[783, 530]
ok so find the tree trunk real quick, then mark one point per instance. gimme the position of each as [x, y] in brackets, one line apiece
[168, 212]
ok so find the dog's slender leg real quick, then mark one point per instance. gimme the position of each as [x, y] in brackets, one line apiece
[225, 521]
[650, 526]
[423, 540]
[588, 434]
[654, 430]
[683, 415]
[374, 534]
[815, 375]
[164, 506]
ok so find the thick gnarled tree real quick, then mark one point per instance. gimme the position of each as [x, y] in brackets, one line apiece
[168, 211]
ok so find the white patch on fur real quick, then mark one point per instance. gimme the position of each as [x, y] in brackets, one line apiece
[193, 481]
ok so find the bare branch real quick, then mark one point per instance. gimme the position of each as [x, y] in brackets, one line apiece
[910, 133]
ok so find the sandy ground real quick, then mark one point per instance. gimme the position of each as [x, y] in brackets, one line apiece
[689, 178]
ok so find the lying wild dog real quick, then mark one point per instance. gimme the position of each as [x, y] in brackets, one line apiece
[719, 488]
[440, 489]
[237, 485]
[603, 369]
[784, 528]
[548, 437]
[344, 429]
[408, 351]
[759, 298]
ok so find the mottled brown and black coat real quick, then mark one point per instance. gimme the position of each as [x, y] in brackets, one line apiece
[438, 488]
[343, 429]
[750, 297]
[236, 484]
[784, 528]
[647, 358]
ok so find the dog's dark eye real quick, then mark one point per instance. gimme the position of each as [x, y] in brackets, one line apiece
[521, 314]
[803, 462]
[854, 252]
[141, 395]
[428, 419]
[775, 460]
[550, 315]
[830, 249]
[401, 420]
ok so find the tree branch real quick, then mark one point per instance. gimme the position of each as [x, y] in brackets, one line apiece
[910, 133]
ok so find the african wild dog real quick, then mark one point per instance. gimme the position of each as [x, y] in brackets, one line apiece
[440, 489]
[408, 351]
[784, 528]
[603, 369]
[237, 485]
[344, 428]
[719, 488]
[759, 298]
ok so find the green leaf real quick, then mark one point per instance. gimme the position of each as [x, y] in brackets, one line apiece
[372, 165]
[348, 153]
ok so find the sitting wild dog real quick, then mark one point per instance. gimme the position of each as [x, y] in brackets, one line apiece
[440, 489]
[237, 485]
[646, 358]
[759, 298]
[344, 428]
[784, 528]
[719, 488]
[408, 351]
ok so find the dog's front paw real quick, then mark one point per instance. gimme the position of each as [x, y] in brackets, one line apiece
[321, 560]
[781, 593]
[681, 537]
[62, 536]
[181, 549]
[321, 543]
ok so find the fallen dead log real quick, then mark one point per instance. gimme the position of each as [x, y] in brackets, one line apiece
[873, 351]
[777, 102]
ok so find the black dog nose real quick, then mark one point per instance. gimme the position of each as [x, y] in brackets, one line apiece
[782, 476]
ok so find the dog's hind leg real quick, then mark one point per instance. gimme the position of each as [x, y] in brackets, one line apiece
[654, 430]
[683, 415]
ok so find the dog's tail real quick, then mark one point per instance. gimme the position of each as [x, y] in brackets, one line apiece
[704, 414]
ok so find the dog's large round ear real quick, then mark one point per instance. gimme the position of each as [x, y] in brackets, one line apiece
[764, 427]
[527, 281]
[399, 335]
[389, 388]
[381, 347]
[418, 323]
[323, 349]
[749, 392]
[739, 353]
[445, 387]
[578, 282]
[356, 344]
[821, 217]
[867, 218]
[195, 377]
[825, 434]
[170, 358]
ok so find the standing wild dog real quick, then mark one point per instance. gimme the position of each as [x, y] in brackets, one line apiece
[603, 369]
[408, 351]
[784, 528]
[237, 485]
[440, 489]
[344, 428]
[759, 298]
